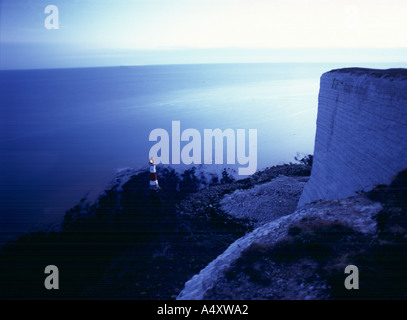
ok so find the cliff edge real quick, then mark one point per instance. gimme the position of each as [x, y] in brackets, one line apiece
[361, 137]
[345, 216]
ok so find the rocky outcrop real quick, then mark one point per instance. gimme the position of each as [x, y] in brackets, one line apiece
[361, 138]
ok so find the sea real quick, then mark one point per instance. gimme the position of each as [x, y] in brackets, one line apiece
[65, 133]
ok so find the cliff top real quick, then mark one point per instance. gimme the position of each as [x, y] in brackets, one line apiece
[400, 73]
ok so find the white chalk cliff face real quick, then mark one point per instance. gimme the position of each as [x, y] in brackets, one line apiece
[361, 138]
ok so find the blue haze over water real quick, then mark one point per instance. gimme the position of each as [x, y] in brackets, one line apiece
[65, 132]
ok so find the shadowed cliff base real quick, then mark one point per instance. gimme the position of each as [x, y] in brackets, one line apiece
[133, 243]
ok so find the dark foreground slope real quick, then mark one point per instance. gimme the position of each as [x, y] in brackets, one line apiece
[138, 244]
[132, 243]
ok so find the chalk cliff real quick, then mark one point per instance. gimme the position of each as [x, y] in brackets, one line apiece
[361, 137]
[361, 141]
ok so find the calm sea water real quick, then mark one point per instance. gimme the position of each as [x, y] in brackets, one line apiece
[65, 132]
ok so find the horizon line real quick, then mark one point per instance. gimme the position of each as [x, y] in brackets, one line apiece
[206, 63]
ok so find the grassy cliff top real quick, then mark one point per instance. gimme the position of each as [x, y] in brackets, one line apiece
[400, 73]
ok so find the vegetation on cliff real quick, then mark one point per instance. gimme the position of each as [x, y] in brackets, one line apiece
[139, 244]
[133, 242]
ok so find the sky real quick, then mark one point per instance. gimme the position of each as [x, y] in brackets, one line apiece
[134, 32]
